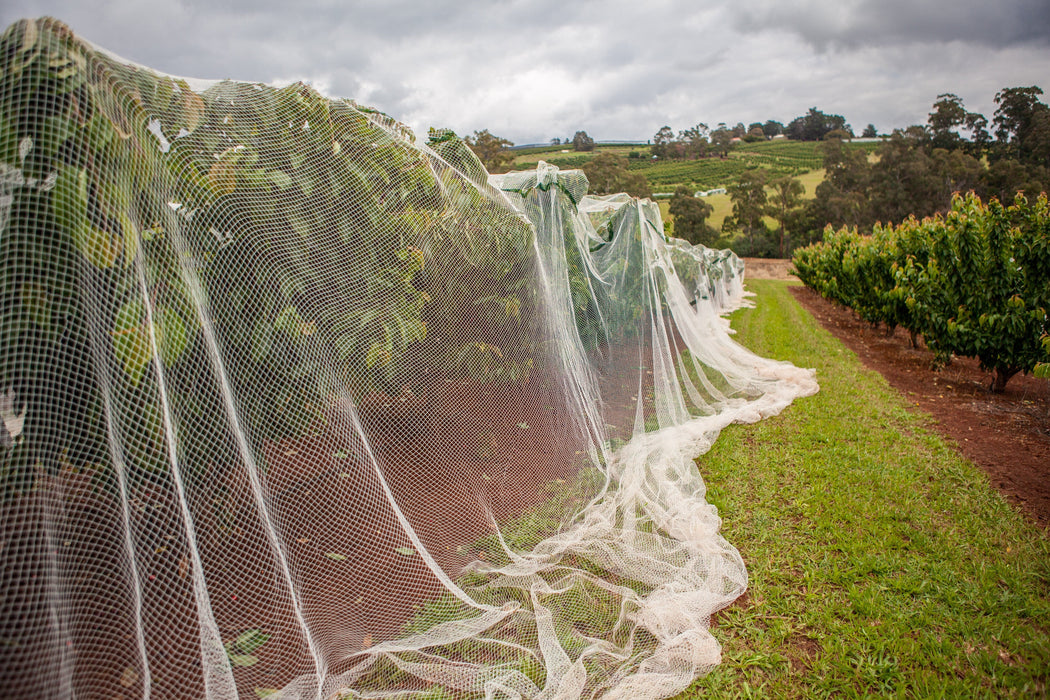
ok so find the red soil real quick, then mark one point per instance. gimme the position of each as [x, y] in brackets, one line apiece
[468, 454]
[1007, 435]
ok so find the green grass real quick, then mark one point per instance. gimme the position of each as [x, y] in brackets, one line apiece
[881, 561]
[722, 205]
[882, 564]
[810, 180]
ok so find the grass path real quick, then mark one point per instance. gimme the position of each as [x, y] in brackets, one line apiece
[881, 561]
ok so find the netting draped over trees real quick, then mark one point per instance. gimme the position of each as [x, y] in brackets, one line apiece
[297, 405]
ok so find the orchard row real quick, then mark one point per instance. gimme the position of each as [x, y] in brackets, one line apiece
[973, 283]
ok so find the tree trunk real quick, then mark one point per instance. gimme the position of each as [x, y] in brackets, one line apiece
[1001, 377]
[913, 337]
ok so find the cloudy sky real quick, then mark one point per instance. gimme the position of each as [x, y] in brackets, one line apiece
[531, 70]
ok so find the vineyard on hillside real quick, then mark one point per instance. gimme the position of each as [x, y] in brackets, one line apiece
[798, 155]
[780, 157]
[973, 283]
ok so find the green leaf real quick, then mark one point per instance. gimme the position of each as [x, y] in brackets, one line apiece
[266, 692]
[289, 321]
[251, 640]
[37, 303]
[131, 238]
[99, 247]
[377, 355]
[280, 179]
[131, 342]
[405, 551]
[335, 556]
[172, 337]
[100, 132]
[243, 659]
[69, 199]
[262, 340]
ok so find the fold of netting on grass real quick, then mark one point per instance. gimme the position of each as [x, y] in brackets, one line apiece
[296, 405]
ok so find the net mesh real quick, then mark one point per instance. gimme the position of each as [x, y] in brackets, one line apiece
[296, 404]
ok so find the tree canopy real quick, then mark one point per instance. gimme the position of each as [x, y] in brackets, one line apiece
[918, 169]
[607, 173]
[1022, 124]
[582, 142]
[749, 199]
[690, 217]
[491, 150]
[815, 125]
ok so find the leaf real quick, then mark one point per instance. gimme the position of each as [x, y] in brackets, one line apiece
[262, 340]
[405, 551]
[523, 426]
[163, 90]
[29, 36]
[377, 355]
[131, 343]
[69, 199]
[37, 303]
[131, 238]
[101, 248]
[221, 178]
[130, 677]
[280, 179]
[289, 321]
[265, 692]
[251, 640]
[65, 70]
[335, 556]
[192, 106]
[243, 659]
[172, 337]
[340, 454]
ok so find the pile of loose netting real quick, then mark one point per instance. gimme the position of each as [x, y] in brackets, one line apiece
[295, 404]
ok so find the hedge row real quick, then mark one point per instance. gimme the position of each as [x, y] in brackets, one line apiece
[973, 283]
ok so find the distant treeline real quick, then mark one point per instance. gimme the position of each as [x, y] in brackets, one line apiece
[912, 172]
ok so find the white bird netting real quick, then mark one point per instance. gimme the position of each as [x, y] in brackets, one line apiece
[295, 404]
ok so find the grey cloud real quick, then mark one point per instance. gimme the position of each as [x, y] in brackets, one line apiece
[532, 69]
[880, 22]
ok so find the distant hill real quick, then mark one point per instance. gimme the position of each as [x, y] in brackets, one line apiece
[780, 157]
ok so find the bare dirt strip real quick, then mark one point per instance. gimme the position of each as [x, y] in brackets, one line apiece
[1007, 435]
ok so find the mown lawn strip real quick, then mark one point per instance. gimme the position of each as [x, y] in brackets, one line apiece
[881, 561]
